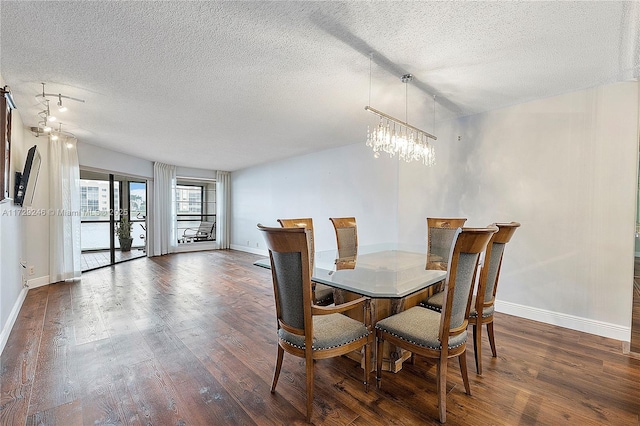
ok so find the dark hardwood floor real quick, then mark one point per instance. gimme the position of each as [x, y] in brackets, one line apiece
[190, 339]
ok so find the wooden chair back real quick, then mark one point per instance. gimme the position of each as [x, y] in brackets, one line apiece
[291, 276]
[346, 236]
[469, 243]
[440, 237]
[302, 223]
[490, 273]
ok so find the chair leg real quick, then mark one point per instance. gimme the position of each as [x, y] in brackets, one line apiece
[379, 351]
[441, 385]
[477, 346]
[463, 370]
[309, 363]
[492, 341]
[367, 366]
[276, 373]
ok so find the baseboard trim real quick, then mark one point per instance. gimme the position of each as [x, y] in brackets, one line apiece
[246, 249]
[599, 328]
[38, 282]
[13, 316]
[188, 248]
[626, 350]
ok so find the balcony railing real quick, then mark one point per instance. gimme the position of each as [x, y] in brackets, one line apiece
[95, 235]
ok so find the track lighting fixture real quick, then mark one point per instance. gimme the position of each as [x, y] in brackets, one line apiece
[61, 107]
[44, 124]
[60, 96]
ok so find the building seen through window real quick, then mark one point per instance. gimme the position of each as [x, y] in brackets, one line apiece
[94, 199]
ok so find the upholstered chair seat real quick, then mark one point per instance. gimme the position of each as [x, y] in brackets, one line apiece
[486, 312]
[419, 326]
[434, 303]
[329, 332]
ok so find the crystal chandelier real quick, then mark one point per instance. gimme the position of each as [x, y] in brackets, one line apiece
[395, 136]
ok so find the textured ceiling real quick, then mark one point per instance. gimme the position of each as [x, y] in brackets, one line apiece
[227, 85]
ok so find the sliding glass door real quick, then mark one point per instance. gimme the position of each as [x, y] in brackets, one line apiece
[105, 200]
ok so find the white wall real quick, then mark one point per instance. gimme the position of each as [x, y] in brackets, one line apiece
[11, 288]
[565, 167]
[95, 157]
[12, 227]
[344, 181]
[36, 243]
[34, 234]
[189, 172]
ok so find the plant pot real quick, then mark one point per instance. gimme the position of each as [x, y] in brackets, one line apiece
[125, 244]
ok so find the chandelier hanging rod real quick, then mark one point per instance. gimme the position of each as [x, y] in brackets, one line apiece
[400, 122]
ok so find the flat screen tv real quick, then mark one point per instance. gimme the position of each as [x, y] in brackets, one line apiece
[26, 181]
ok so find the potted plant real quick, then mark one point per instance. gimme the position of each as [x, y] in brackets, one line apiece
[123, 231]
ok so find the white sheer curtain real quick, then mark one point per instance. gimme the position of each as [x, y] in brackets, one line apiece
[64, 213]
[163, 218]
[223, 198]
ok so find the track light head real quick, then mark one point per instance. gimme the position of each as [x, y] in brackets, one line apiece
[61, 107]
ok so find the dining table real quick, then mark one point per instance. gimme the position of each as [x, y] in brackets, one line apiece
[393, 275]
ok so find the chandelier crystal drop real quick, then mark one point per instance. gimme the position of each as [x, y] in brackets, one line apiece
[393, 138]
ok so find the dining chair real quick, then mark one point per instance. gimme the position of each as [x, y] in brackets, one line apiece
[440, 232]
[346, 236]
[306, 330]
[322, 294]
[347, 242]
[482, 304]
[440, 335]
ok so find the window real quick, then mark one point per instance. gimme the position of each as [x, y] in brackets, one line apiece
[100, 217]
[195, 204]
